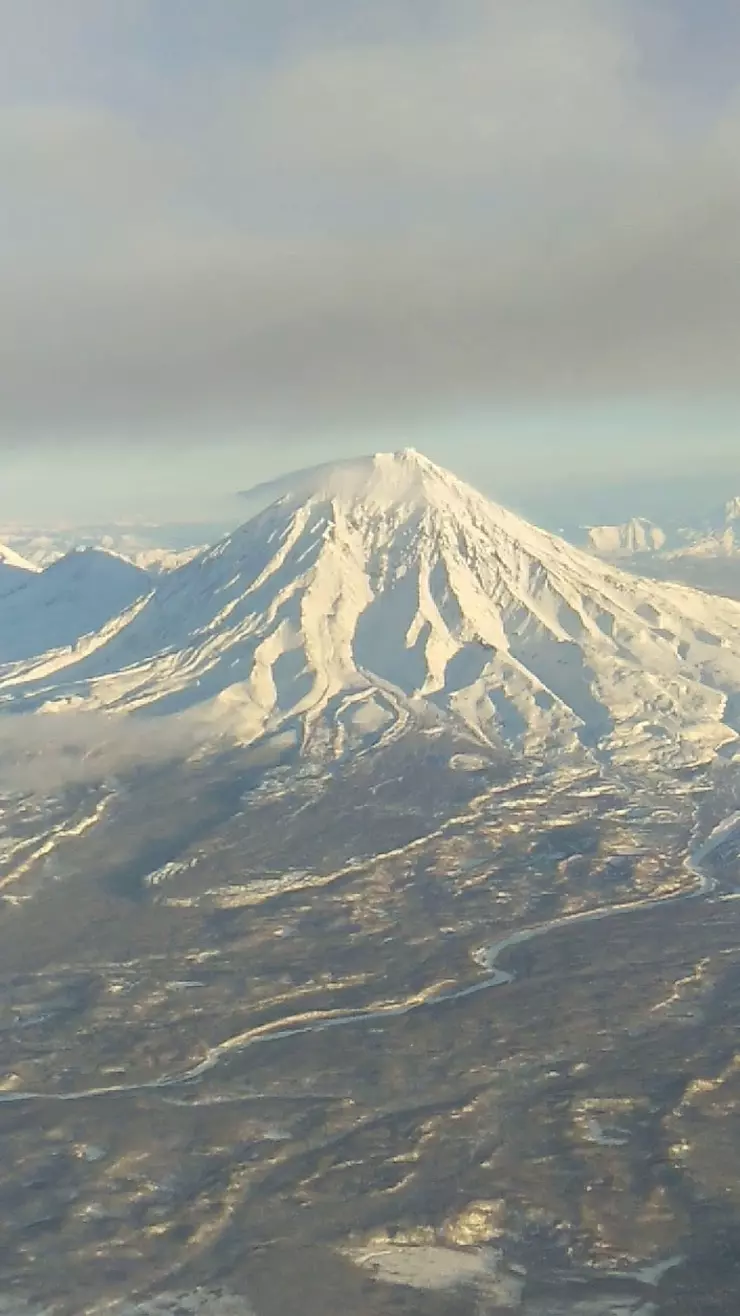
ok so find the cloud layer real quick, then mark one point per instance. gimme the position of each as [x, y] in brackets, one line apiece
[216, 220]
[46, 752]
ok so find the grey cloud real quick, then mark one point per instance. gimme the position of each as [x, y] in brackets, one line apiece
[299, 335]
[369, 230]
[524, 86]
[45, 752]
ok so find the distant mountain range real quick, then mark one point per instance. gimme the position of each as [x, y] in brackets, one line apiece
[704, 554]
[383, 594]
[153, 547]
[716, 535]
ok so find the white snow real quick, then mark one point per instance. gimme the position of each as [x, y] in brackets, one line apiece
[716, 535]
[723, 832]
[155, 548]
[14, 570]
[384, 590]
[9, 558]
[75, 596]
[439, 1268]
[595, 1132]
[634, 536]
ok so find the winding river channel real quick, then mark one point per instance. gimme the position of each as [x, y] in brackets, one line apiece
[487, 958]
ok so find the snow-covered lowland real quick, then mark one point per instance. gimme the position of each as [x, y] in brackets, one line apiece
[384, 591]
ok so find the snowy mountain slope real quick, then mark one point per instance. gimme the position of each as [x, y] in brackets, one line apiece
[14, 569]
[389, 590]
[75, 596]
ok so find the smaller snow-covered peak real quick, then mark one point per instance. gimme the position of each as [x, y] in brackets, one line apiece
[9, 558]
[637, 535]
[14, 570]
[73, 597]
[89, 563]
[715, 535]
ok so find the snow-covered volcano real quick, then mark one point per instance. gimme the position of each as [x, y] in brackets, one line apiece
[383, 590]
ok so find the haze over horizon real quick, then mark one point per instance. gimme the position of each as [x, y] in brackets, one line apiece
[240, 240]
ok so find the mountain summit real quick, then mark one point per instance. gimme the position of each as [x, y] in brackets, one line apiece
[377, 592]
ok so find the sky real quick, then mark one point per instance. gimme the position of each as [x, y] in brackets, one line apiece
[239, 238]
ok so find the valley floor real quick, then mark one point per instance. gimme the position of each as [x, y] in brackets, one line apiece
[228, 1085]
